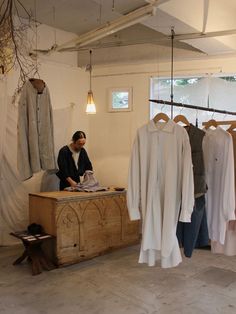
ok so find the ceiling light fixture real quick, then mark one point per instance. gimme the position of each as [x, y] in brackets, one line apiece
[109, 28]
[91, 107]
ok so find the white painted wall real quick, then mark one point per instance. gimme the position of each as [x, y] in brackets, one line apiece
[112, 134]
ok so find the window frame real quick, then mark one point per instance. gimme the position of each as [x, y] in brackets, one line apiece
[111, 90]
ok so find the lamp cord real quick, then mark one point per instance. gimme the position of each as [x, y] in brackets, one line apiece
[90, 70]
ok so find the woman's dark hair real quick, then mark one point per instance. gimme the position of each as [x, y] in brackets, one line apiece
[78, 135]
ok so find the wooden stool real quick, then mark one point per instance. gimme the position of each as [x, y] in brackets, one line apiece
[33, 251]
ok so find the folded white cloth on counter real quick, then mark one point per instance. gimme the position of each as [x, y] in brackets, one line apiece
[89, 184]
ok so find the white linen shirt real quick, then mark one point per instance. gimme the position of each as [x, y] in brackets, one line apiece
[220, 197]
[160, 181]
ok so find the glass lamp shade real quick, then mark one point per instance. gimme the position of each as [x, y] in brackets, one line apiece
[91, 108]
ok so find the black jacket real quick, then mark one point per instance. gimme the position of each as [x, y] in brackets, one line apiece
[196, 138]
[67, 166]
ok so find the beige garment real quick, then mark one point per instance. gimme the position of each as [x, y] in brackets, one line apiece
[35, 132]
[229, 247]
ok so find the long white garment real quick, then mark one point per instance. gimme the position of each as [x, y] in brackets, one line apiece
[160, 181]
[220, 197]
[229, 247]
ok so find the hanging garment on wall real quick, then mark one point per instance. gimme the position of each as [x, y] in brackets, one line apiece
[220, 197]
[160, 177]
[229, 247]
[188, 233]
[89, 184]
[35, 132]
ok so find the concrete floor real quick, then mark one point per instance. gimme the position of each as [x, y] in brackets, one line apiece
[116, 283]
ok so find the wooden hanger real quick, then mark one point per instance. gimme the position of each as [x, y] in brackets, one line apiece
[210, 123]
[161, 116]
[232, 127]
[38, 84]
[181, 118]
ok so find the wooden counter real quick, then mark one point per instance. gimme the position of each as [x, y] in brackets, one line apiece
[85, 224]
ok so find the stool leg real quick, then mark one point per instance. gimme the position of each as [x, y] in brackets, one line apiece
[36, 267]
[46, 264]
[35, 261]
[21, 258]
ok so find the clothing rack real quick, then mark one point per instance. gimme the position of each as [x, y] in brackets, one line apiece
[172, 70]
[177, 104]
[225, 122]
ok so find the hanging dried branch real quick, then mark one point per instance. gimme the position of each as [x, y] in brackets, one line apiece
[14, 46]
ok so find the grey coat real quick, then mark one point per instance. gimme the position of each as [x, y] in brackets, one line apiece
[35, 132]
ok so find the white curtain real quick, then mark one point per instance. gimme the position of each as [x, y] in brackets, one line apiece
[13, 200]
[13, 192]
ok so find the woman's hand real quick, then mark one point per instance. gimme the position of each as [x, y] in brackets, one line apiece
[71, 182]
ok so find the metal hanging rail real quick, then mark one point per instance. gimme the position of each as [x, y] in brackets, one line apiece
[178, 104]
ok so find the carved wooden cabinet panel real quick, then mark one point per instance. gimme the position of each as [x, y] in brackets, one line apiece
[85, 225]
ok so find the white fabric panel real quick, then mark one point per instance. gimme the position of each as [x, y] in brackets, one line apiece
[13, 200]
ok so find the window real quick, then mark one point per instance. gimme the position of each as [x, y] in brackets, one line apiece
[210, 91]
[120, 99]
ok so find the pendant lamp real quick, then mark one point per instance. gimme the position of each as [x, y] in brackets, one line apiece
[91, 107]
